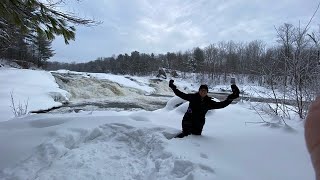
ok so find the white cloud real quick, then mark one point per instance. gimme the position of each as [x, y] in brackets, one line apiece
[172, 25]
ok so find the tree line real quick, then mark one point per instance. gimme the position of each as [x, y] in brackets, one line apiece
[294, 47]
[223, 57]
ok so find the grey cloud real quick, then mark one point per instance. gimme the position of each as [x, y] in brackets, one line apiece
[163, 26]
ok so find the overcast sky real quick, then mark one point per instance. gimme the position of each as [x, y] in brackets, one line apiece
[161, 26]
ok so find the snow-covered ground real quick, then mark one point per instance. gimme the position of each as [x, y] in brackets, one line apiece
[138, 144]
[37, 89]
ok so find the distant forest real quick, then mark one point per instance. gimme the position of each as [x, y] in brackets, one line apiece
[295, 57]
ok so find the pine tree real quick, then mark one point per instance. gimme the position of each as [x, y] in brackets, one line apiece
[198, 56]
[43, 49]
[39, 16]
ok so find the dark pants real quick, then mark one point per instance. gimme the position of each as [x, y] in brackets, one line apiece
[191, 125]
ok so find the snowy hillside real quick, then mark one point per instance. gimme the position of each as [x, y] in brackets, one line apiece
[127, 144]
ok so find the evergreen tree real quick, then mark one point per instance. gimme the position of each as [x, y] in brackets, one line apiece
[198, 56]
[135, 63]
[28, 26]
[38, 16]
[43, 49]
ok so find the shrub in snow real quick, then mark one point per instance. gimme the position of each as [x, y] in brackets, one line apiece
[20, 109]
[174, 73]
[7, 63]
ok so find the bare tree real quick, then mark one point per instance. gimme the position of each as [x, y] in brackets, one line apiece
[211, 56]
[315, 37]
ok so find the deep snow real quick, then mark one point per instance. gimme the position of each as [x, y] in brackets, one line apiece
[138, 145]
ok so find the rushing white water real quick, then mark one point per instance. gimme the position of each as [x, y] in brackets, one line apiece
[94, 91]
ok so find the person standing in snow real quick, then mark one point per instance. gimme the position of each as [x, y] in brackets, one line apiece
[312, 135]
[199, 104]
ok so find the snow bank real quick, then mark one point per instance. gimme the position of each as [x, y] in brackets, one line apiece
[99, 147]
[37, 88]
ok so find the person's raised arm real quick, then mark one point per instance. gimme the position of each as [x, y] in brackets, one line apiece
[312, 135]
[225, 103]
[177, 92]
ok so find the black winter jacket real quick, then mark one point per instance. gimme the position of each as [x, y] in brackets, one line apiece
[194, 118]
